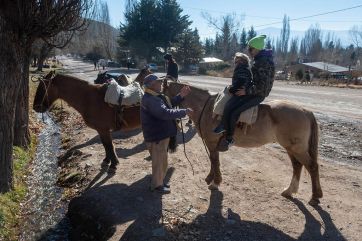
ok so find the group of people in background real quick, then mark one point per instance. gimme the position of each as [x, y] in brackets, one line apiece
[251, 84]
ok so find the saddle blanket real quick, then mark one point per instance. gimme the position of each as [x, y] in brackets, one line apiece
[249, 116]
[119, 95]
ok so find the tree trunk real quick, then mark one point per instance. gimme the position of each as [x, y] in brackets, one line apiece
[44, 51]
[21, 125]
[9, 88]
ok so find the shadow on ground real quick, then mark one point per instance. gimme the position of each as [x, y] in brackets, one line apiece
[96, 213]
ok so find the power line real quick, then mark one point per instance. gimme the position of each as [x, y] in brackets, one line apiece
[310, 16]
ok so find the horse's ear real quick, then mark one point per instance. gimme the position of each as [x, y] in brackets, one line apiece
[165, 84]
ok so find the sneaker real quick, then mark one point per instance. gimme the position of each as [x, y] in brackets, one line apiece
[219, 129]
[230, 142]
[166, 185]
[162, 189]
[224, 144]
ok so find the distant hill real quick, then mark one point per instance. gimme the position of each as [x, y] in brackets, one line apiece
[274, 33]
[84, 42]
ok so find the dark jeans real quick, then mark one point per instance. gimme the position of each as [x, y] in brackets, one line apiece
[233, 109]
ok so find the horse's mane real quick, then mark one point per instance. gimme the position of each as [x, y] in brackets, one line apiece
[199, 90]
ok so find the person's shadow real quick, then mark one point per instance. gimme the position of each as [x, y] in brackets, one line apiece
[97, 212]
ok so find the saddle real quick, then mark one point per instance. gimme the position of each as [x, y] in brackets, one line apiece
[247, 117]
[123, 95]
[121, 98]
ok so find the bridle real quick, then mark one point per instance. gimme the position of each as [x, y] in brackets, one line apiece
[41, 79]
[165, 86]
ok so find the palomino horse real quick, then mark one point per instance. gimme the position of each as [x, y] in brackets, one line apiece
[88, 100]
[291, 126]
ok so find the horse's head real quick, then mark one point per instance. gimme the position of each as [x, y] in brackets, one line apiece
[45, 93]
[195, 99]
[141, 76]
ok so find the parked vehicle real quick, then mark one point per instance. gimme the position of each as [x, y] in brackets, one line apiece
[113, 64]
[152, 66]
[104, 77]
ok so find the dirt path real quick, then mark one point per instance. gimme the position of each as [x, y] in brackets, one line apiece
[248, 205]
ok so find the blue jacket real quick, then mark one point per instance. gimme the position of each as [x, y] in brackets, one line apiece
[158, 121]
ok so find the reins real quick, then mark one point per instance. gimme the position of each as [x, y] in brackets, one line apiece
[184, 144]
[199, 124]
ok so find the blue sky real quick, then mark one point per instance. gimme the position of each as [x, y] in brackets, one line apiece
[262, 12]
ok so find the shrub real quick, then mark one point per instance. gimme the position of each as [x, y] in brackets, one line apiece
[299, 74]
[202, 70]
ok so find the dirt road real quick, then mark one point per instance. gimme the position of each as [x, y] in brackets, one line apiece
[248, 205]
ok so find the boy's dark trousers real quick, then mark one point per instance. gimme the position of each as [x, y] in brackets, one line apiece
[233, 109]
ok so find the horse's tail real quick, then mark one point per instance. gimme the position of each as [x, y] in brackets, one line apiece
[314, 138]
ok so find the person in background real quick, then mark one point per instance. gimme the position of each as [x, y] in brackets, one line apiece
[172, 67]
[159, 127]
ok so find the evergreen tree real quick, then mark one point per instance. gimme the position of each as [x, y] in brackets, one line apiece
[234, 45]
[209, 47]
[284, 38]
[150, 24]
[140, 32]
[243, 40]
[171, 22]
[251, 33]
[188, 48]
[268, 44]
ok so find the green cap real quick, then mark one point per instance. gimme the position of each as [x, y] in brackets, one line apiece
[257, 42]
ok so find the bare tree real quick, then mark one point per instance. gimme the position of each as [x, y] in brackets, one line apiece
[311, 43]
[227, 26]
[355, 34]
[284, 38]
[108, 40]
[293, 52]
[21, 23]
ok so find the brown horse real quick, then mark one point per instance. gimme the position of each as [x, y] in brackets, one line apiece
[88, 100]
[291, 126]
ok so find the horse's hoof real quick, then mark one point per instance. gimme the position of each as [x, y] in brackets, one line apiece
[287, 194]
[208, 179]
[213, 186]
[112, 170]
[314, 202]
[105, 164]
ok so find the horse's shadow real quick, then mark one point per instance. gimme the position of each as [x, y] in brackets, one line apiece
[97, 212]
[212, 225]
[312, 228]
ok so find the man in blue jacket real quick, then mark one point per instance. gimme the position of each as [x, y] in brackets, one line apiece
[159, 126]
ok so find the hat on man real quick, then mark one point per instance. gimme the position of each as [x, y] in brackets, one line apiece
[257, 42]
[167, 56]
[149, 79]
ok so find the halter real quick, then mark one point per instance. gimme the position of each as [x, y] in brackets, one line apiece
[41, 79]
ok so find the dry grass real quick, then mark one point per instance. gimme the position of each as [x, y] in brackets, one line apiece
[10, 202]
